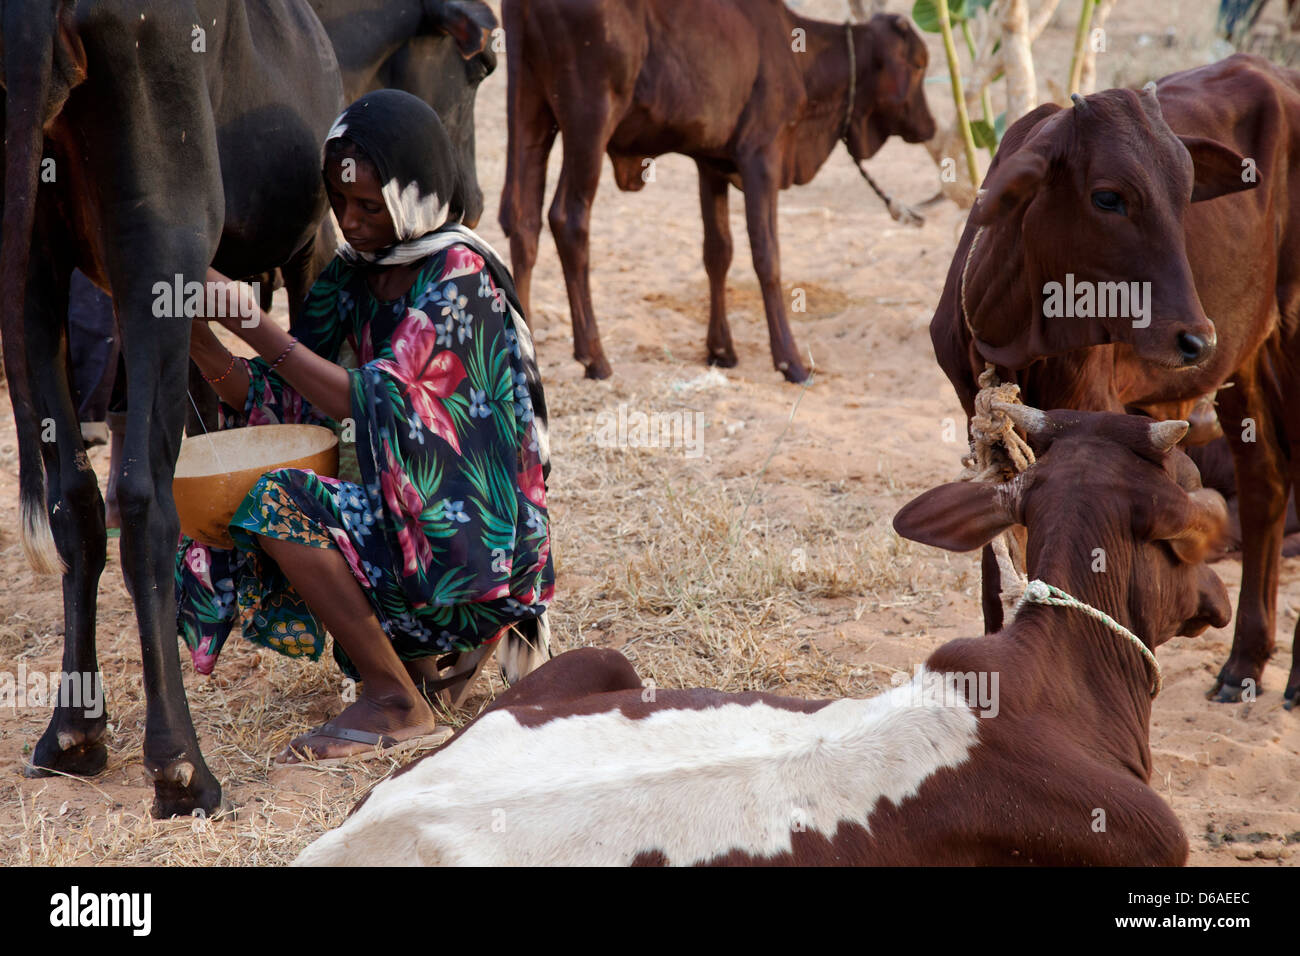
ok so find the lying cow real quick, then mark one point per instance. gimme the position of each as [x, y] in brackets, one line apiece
[757, 95]
[1125, 196]
[143, 143]
[1027, 746]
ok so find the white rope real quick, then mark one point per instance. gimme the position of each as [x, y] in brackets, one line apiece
[1040, 592]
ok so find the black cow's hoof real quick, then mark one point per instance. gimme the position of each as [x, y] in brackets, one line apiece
[1225, 693]
[1292, 697]
[81, 753]
[794, 372]
[181, 789]
[723, 359]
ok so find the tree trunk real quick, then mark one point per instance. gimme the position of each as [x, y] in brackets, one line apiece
[1018, 60]
[1088, 77]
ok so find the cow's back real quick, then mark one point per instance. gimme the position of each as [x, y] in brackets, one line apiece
[693, 77]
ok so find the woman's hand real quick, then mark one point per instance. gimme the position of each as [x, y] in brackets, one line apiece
[236, 304]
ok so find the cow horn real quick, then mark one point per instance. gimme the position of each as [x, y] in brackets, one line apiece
[1079, 102]
[1150, 88]
[1207, 515]
[1033, 421]
[1165, 435]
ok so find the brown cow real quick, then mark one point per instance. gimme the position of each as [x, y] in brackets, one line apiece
[1100, 193]
[1004, 749]
[757, 95]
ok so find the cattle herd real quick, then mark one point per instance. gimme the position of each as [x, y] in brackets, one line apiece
[1130, 264]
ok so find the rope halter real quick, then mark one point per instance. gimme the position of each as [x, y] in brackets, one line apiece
[853, 82]
[1040, 592]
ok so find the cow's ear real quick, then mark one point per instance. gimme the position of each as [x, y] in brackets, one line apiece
[1010, 186]
[958, 516]
[469, 23]
[1219, 170]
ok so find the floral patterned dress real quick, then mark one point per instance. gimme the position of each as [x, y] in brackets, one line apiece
[446, 530]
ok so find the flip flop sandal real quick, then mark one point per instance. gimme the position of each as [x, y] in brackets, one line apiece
[381, 745]
[461, 668]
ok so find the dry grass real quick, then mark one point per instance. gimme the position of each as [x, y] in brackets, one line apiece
[700, 581]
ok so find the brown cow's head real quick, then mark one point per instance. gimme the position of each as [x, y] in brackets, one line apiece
[890, 98]
[1096, 196]
[1107, 488]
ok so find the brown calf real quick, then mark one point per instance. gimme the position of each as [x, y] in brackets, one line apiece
[757, 95]
[1027, 746]
[1100, 193]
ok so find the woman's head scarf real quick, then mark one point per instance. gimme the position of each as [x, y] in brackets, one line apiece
[419, 174]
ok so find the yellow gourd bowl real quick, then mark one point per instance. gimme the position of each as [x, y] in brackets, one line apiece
[215, 472]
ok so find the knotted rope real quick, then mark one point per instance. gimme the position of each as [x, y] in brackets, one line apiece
[998, 454]
[1040, 592]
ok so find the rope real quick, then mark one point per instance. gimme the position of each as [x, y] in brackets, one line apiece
[970, 253]
[1040, 592]
[997, 452]
[900, 212]
[853, 80]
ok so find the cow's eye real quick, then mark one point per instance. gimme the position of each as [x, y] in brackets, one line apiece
[1108, 201]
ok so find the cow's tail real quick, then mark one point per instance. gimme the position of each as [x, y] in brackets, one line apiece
[524, 648]
[38, 44]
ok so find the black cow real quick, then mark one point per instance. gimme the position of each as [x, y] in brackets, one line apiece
[143, 142]
[438, 50]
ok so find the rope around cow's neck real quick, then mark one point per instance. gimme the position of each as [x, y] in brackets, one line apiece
[899, 212]
[1040, 592]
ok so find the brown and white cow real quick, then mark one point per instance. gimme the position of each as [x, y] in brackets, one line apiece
[757, 95]
[1027, 746]
[1133, 192]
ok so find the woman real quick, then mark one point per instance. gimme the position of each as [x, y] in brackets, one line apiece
[443, 544]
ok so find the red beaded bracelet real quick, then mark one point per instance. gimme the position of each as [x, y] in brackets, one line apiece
[224, 375]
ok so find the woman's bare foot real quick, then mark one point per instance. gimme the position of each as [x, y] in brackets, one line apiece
[396, 719]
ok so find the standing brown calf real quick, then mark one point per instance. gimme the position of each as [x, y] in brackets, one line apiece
[1025, 747]
[755, 94]
[1132, 187]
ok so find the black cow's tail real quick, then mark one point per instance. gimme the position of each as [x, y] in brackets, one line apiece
[44, 61]
[524, 648]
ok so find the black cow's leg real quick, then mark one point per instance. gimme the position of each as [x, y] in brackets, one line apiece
[200, 404]
[1262, 485]
[156, 402]
[570, 221]
[532, 134]
[74, 740]
[717, 259]
[760, 215]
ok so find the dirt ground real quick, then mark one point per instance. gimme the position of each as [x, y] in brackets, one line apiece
[765, 561]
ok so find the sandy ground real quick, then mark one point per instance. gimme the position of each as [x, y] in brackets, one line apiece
[766, 561]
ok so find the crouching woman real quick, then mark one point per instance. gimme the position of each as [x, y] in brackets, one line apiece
[441, 546]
